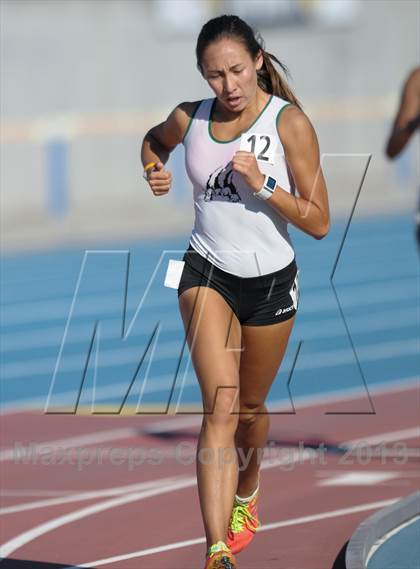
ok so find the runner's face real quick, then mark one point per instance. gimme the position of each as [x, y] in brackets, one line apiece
[231, 73]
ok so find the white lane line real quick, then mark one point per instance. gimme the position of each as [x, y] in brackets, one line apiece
[89, 495]
[145, 552]
[331, 514]
[348, 276]
[389, 437]
[36, 493]
[17, 451]
[44, 311]
[52, 337]
[266, 527]
[178, 423]
[171, 350]
[20, 540]
[358, 478]
[35, 532]
[159, 383]
[187, 422]
[331, 328]
[376, 272]
[358, 295]
[109, 358]
[301, 402]
[82, 496]
[12, 545]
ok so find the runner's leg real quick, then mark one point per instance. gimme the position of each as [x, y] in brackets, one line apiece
[263, 351]
[214, 336]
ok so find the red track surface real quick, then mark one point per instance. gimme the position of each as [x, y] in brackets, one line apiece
[174, 516]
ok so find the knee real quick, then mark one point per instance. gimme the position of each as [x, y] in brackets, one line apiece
[224, 411]
[225, 421]
[249, 413]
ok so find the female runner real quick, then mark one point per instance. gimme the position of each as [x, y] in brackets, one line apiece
[247, 150]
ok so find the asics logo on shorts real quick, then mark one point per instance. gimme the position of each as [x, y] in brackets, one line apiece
[283, 310]
[294, 294]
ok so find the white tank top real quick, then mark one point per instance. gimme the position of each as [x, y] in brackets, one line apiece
[236, 231]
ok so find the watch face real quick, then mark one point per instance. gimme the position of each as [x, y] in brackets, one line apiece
[271, 183]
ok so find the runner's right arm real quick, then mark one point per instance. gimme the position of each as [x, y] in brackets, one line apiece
[160, 141]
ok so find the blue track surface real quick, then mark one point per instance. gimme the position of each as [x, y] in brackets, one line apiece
[401, 551]
[376, 280]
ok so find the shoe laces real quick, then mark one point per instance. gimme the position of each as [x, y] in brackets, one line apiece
[242, 516]
[217, 548]
[224, 562]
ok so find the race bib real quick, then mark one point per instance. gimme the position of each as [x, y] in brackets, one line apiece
[174, 273]
[262, 145]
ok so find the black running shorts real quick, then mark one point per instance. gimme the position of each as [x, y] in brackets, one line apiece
[256, 301]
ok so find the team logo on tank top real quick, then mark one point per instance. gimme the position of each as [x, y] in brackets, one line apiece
[220, 185]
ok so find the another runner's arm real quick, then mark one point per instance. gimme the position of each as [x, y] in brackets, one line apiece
[408, 116]
[310, 211]
[164, 137]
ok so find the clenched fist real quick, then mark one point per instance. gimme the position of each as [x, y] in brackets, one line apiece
[159, 179]
[246, 164]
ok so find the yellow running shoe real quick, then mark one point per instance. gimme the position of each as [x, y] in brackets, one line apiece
[243, 524]
[219, 556]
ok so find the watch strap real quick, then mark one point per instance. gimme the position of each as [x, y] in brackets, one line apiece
[267, 189]
[263, 194]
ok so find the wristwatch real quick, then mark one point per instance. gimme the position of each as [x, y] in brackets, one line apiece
[268, 188]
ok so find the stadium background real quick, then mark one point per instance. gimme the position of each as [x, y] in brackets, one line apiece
[82, 81]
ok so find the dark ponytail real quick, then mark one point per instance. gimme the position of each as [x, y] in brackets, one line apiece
[271, 81]
[269, 78]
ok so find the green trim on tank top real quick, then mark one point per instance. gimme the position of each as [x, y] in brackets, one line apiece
[239, 135]
[190, 121]
[280, 111]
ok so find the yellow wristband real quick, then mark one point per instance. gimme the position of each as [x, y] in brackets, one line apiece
[149, 165]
